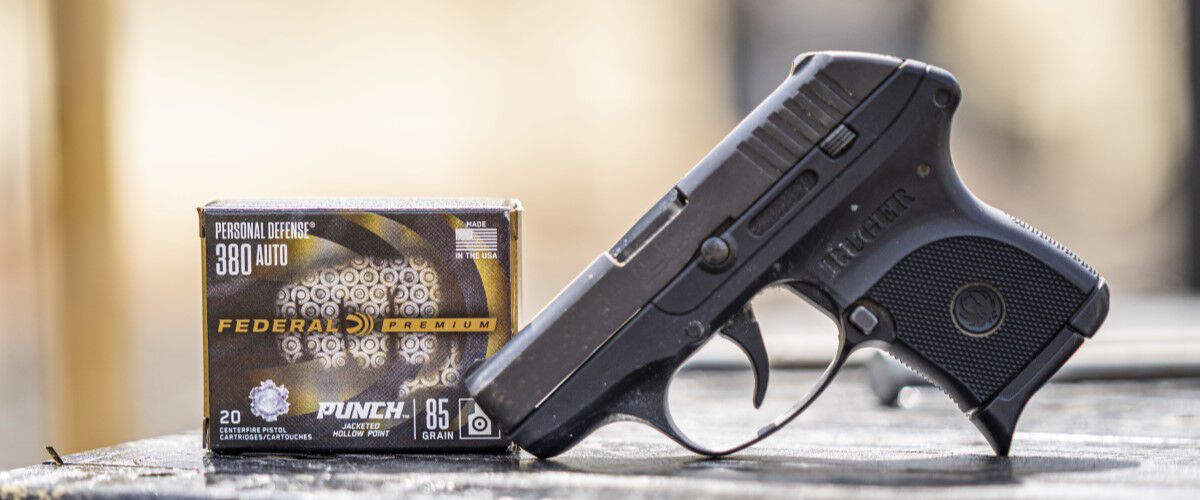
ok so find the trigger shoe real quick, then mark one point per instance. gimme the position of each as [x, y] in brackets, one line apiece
[743, 330]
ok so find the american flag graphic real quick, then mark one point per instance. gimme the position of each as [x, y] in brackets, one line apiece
[475, 239]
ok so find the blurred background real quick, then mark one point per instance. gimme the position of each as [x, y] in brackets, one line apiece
[119, 117]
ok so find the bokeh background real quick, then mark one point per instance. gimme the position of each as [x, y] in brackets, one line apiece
[119, 117]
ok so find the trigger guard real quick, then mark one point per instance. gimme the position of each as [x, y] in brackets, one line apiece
[664, 423]
[647, 402]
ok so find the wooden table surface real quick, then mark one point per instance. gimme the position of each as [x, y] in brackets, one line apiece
[1077, 440]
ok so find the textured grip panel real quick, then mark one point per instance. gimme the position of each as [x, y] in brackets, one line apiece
[920, 295]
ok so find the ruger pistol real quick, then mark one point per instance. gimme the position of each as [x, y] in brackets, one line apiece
[839, 187]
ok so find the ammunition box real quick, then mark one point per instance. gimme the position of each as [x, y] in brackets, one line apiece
[347, 325]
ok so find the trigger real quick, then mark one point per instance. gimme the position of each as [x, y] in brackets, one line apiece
[743, 330]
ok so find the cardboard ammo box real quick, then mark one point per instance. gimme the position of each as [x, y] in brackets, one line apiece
[347, 325]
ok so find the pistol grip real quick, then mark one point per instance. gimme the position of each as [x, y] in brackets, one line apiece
[987, 322]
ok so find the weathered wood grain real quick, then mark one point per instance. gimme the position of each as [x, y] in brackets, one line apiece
[1083, 440]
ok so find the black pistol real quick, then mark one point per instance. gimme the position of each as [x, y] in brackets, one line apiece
[839, 187]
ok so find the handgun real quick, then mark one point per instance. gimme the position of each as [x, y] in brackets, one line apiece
[839, 187]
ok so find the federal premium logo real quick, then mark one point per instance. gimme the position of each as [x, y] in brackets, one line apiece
[355, 324]
[361, 323]
[883, 217]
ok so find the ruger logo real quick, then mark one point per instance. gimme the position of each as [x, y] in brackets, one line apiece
[841, 254]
